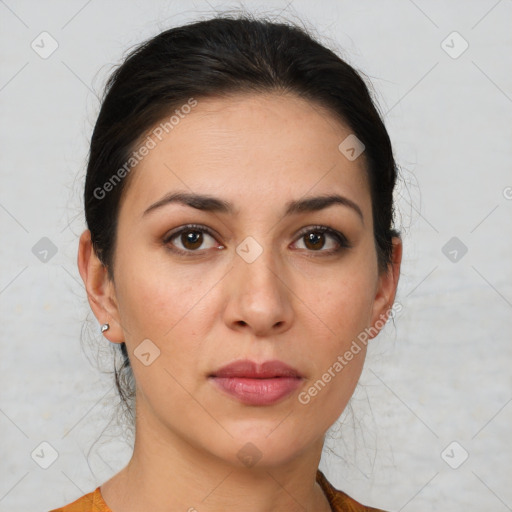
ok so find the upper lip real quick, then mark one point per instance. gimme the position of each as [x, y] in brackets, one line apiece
[249, 369]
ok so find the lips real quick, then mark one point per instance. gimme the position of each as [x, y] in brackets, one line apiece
[250, 370]
[257, 384]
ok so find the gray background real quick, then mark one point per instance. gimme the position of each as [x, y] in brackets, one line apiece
[440, 375]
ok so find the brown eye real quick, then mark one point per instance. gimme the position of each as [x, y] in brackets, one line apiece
[314, 240]
[323, 239]
[190, 239]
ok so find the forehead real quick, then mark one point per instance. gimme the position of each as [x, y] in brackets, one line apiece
[262, 147]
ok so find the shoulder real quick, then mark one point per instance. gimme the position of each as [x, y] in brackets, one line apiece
[339, 501]
[92, 502]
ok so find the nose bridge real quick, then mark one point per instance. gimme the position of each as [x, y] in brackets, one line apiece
[258, 268]
[259, 298]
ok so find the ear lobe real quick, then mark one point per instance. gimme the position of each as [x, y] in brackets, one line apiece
[100, 289]
[386, 289]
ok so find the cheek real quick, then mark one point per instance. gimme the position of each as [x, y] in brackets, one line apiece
[346, 315]
[168, 310]
[337, 355]
[340, 309]
[343, 303]
[157, 299]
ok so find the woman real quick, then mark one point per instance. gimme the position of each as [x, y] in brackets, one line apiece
[240, 253]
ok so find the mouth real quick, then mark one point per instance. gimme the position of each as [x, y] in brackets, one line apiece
[253, 384]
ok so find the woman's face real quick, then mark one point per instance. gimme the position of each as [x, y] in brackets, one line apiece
[255, 279]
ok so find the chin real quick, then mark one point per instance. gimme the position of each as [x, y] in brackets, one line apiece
[264, 444]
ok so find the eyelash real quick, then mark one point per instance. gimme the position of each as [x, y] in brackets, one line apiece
[338, 237]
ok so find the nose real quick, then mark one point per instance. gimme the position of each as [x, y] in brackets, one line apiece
[259, 297]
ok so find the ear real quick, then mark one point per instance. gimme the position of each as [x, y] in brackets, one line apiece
[386, 290]
[100, 289]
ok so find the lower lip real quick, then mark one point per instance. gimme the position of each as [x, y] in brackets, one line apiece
[258, 391]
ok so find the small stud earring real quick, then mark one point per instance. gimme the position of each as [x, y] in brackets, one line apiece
[105, 327]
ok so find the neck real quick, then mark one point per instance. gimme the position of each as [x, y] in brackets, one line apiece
[167, 473]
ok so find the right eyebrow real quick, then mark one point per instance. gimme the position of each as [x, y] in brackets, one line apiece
[200, 202]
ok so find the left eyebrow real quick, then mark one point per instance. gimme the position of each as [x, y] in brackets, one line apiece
[312, 204]
[214, 204]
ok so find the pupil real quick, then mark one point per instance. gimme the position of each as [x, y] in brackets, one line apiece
[193, 238]
[315, 240]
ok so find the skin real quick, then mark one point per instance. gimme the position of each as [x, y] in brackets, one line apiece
[295, 303]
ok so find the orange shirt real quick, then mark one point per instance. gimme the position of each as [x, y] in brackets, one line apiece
[339, 501]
